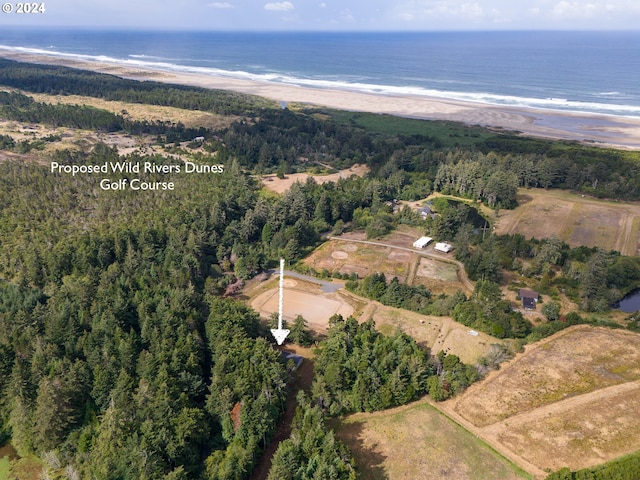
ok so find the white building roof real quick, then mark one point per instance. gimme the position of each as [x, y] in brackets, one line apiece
[422, 242]
[443, 247]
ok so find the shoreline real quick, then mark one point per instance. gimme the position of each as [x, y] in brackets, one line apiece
[597, 129]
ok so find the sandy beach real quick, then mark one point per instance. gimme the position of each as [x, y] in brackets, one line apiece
[619, 132]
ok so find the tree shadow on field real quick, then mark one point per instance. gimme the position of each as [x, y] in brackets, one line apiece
[369, 459]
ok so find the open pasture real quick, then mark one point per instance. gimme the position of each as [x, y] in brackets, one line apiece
[418, 442]
[570, 400]
[574, 362]
[435, 333]
[581, 431]
[575, 219]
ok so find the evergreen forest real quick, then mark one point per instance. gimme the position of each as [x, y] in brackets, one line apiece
[124, 353]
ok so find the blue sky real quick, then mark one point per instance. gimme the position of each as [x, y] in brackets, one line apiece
[349, 15]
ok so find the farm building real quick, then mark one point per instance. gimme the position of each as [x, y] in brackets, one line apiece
[422, 242]
[296, 359]
[529, 298]
[426, 212]
[443, 247]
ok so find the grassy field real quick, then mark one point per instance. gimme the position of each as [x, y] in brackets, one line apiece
[4, 468]
[446, 134]
[281, 185]
[435, 333]
[418, 442]
[575, 219]
[582, 360]
[570, 400]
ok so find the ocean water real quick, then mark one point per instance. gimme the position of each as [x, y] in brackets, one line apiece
[593, 72]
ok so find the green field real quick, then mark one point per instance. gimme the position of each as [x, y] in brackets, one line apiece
[444, 134]
[420, 442]
[4, 468]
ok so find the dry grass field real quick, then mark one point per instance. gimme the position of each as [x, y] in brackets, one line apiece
[417, 442]
[570, 400]
[574, 219]
[435, 333]
[281, 185]
[76, 139]
[141, 112]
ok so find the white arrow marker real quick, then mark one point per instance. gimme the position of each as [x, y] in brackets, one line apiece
[280, 334]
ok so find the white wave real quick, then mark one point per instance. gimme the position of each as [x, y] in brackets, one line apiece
[350, 83]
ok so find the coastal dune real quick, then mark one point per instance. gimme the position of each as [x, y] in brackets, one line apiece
[606, 130]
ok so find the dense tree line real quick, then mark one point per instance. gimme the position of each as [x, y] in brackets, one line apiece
[59, 80]
[394, 293]
[487, 312]
[359, 369]
[19, 107]
[312, 452]
[118, 357]
[591, 277]
[624, 468]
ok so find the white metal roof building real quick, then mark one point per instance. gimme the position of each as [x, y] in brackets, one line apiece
[422, 242]
[443, 247]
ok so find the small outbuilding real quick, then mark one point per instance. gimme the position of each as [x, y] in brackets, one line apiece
[529, 298]
[296, 359]
[422, 242]
[443, 247]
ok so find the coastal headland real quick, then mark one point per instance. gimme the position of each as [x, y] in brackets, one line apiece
[606, 130]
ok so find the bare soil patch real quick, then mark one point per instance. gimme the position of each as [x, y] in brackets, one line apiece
[576, 219]
[431, 268]
[366, 259]
[316, 308]
[438, 276]
[281, 185]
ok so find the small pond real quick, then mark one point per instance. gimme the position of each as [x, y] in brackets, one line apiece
[630, 303]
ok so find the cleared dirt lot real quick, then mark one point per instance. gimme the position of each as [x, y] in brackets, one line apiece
[281, 185]
[316, 307]
[571, 400]
[574, 219]
[345, 257]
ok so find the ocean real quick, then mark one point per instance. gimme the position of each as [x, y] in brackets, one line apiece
[595, 72]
